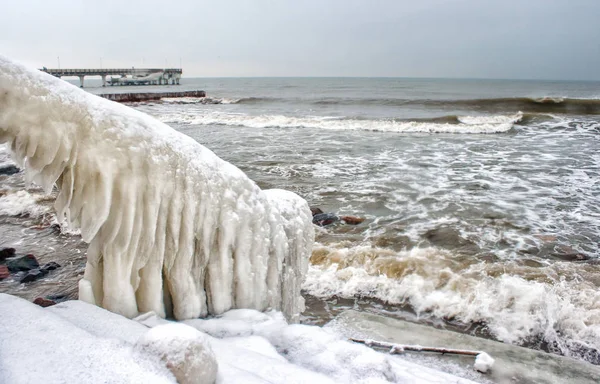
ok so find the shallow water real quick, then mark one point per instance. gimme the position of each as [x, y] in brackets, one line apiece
[496, 234]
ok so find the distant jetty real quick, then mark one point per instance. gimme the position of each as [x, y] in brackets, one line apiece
[125, 76]
[146, 96]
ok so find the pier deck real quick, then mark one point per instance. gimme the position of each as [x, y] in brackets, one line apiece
[125, 76]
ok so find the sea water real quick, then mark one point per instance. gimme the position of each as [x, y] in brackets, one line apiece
[481, 197]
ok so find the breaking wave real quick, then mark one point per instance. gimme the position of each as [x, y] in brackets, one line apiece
[525, 104]
[554, 305]
[198, 100]
[447, 124]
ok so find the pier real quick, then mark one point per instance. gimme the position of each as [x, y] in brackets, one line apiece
[147, 96]
[124, 76]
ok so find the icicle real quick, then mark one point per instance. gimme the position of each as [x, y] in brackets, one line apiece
[172, 228]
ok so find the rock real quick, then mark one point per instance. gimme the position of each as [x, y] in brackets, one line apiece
[9, 170]
[4, 272]
[51, 266]
[184, 350]
[352, 220]
[315, 210]
[6, 253]
[44, 302]
[23, 263]
[33, 275]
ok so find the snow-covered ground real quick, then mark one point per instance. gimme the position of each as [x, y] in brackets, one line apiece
[76, 342]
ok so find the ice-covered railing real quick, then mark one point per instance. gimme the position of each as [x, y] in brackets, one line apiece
[172, 228]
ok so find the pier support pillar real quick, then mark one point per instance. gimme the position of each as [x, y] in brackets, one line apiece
[81, 81]
[104, 80]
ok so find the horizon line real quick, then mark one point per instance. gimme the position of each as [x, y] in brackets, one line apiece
[389, 77]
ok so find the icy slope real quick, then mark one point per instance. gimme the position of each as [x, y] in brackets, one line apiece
[172, 228]
[75, 342]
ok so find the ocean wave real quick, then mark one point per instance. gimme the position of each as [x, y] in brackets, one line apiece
[24, 203]
[546, 104]
[198, 100]
[518, 304]
[451, 124]
[527, 104]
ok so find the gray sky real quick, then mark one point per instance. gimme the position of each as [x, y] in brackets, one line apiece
[529, 39]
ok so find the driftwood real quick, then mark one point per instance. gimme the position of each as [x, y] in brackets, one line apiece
[396, 349]
[483, 361]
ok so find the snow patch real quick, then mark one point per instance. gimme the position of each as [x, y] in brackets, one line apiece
[483, 362]
[76, 342]
[185, 351]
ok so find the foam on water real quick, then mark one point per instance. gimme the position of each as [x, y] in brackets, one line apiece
[487, 124]
[557, 303]
[18, 203]
[198, 100]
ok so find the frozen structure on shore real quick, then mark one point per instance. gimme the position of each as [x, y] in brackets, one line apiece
[172, 228]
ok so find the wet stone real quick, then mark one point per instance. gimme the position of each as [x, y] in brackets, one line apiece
[9, 170]
[23, 263]
[51, 266]
[4, 272]
[6, 253]
[44, 302]
[33, 275]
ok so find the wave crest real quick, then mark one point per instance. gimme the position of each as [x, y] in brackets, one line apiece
[452, 124]
[518, 304]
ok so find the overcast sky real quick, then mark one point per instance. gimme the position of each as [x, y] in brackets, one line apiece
[517, 39]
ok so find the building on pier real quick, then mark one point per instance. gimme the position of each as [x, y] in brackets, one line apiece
[124, 76]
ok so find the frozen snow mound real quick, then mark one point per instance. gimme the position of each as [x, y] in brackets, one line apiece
[76, 342]
[40, 346]
[172, 228]
[185, 351]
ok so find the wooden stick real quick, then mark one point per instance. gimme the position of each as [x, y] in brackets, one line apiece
[396, 349]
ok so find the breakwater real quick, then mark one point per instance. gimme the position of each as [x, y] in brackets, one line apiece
[146, 96]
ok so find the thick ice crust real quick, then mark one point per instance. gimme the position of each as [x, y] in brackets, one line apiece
[172, 228]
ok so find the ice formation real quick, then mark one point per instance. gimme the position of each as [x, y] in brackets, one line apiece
[185, 351]
[483, 362]
[172, 228]
[75, 342]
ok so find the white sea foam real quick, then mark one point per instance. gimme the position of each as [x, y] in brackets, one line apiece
[493, 124]
[491, 119]
[18, 203]
[557, 303]
[198, 100]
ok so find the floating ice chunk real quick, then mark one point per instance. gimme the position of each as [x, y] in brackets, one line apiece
[172, 228]
[185, 351]
[483, 362]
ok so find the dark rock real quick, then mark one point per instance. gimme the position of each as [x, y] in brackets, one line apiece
[51, 266]
[315, 210]
[44, 302]
[4, 272]
[23, 263]
[9, 170]
[324, 219]
[5, 253]
[33, 275]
